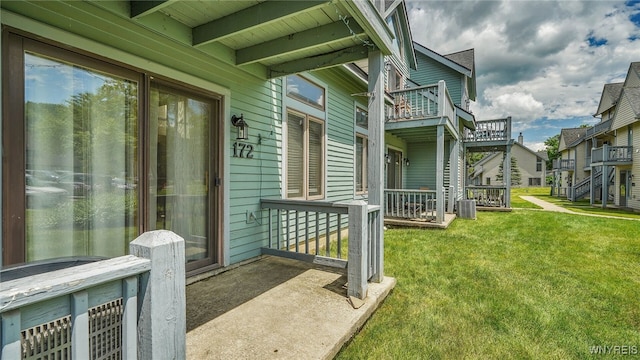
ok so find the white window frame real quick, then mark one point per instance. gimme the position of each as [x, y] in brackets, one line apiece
[360, 132]
[310, 113]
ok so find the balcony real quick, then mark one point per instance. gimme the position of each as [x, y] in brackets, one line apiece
[423, 102]
[498, 130]
[612, 155]
[564, 164]
[598, 128]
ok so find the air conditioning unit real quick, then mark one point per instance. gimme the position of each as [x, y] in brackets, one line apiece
[467, 209]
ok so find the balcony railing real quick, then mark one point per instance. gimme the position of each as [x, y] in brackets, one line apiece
[410, 204]
[321, 232]
[612, 154]
[489, 130]
[598, 128]
[97, 310]
[564, 164]
[422, 102]
[488, 195]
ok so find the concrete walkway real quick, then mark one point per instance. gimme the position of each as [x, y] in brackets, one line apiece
[547, 206]
[275, 308]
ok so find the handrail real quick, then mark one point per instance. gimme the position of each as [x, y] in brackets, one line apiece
[314, 231]
[487, 195]
[489, 130]
[410, 204]
[564, 164]
[35, 288]
[614, 154]
[427, 101]
[599, 128]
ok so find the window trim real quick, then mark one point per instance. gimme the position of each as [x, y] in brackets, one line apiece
[305, 156]
[365, 158]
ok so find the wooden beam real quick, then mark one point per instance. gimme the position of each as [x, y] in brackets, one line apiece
[258, 15]
[142, 8]
[319, 61]
[326, 34]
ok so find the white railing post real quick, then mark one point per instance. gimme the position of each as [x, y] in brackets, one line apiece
[358, 264]
[162, 303]
[441, 97]
[10, 327]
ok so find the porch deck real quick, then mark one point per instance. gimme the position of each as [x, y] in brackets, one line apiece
[275, 308]
[420, 223]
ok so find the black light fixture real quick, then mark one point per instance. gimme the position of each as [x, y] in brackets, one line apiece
[387, 158]
[406, 162]
[242, 126]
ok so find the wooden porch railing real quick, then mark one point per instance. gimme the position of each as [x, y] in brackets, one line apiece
[316, 231]
[489, 130]
[130, 307]
[488, 195]
[598, 128]
[564, 164]
[422, 102]
[612, 154]
[410, 204]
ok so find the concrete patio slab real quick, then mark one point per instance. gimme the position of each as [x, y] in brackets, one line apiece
[275, 308]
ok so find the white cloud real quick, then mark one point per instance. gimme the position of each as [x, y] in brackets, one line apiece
[534, 61]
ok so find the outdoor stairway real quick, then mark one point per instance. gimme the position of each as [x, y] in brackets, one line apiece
[583, 188]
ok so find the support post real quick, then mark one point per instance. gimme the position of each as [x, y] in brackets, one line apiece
[80, 325]
[592, 186]
[506, 167]
[605, 183]
[454, 171]
[162, 319]
[357, 264]
[10, 327]
[440, 174]
[375, 169]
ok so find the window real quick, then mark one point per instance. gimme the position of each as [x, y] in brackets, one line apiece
[488, 181]
[305, 156]
[361, 164]
[539, 164]
[305, 91]
[93, 158]
[362, 121]
[535, 182]
[362, 118]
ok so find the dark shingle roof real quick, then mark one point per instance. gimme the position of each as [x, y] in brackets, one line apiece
[610, 95]
[571, 135]
[465, 58]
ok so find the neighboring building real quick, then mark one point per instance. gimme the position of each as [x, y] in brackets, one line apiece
[423, 136]
[605, 154]
[121, 117]
[619, 154]
[565, 166]
[531, 167]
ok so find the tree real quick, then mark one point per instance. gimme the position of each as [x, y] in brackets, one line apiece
[551, 145]
[516, 177]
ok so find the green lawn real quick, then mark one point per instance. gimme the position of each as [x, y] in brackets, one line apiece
[520, 285]
[517, 202]
[581, 206]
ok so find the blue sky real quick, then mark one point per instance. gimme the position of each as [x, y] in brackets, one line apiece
[544, 62]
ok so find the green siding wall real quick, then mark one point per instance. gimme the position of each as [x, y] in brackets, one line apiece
[430, 72]
[110, 35]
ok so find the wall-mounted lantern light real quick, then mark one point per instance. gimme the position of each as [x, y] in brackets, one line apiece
[242, 126]
[387, 158]
[406, 162]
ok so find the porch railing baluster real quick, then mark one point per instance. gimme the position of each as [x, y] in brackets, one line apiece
[339, 252]
[297, 236]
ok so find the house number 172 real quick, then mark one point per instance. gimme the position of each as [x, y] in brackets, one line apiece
[242, 150]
